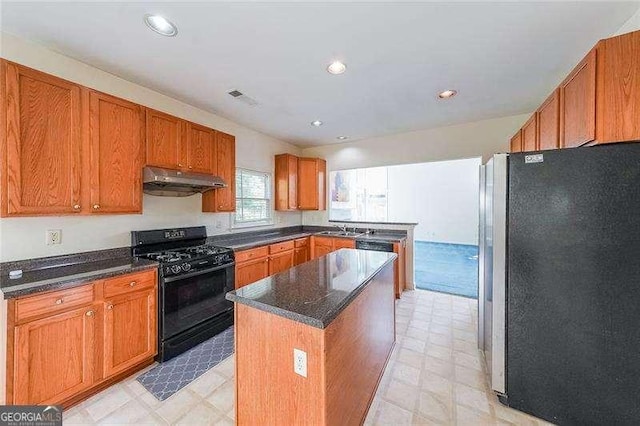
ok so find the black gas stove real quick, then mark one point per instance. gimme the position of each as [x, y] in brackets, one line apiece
[194, 279]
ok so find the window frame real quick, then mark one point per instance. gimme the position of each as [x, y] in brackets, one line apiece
[269, 220]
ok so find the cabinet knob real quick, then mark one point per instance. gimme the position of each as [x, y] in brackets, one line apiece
[109, 306]
[59, 301]
[191, 167]
[96, 206]
[89, 313]
[179, 165]
[132, 283]
[76, 206]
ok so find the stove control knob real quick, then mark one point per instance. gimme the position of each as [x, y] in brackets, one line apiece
[186, 267]
[175, 269]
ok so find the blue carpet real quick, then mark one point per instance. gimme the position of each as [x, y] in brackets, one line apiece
[169, 377]
[448, 268]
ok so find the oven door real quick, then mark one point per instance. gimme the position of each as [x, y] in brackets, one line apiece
[193, 298]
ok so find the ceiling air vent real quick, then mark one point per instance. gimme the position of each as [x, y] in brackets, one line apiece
[242, 97]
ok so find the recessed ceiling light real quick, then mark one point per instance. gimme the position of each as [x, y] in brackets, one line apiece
[160, 25]
[336, 68]
[316, 123]
[342, 138]
[447, 94]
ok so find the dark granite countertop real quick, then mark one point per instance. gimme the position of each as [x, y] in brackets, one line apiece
[249, 240]
[315, 292]
[55, 277]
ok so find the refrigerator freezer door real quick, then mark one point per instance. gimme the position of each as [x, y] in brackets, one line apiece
[492, 261]
[573, 343]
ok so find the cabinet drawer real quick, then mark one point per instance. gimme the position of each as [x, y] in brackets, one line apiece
[54, 302]
[301, 242]
[128, 283]
[280, 247]
[256, 253]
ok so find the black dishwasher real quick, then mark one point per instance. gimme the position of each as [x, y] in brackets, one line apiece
[375, 245]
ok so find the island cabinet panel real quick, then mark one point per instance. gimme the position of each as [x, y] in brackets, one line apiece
[286, 184]
[549, 123]
[129, 330]
[529, 134]
[312, 185]
[400, 267]
[578, 104]
[280, 262]
[618, 87]
[54, 357]
[515, 145]
[223, 199]
[163, 139]
[41, 168]
[116, 138]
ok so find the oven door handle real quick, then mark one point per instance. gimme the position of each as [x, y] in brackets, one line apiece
[196, 273]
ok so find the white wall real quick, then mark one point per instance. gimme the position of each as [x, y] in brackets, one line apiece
[25, 237]
[442, 197]
[633, 24]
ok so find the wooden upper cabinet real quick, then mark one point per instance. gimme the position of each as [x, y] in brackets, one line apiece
[163, 140]
[549, 123]
[223, 199]
[578, 104]
[515, 145]
[129, 330]
[200, 149]
[54, 357]
[286, 182]
[618, 85]
[312, 185]
[116, 137]
[41, 173]
[529, 134]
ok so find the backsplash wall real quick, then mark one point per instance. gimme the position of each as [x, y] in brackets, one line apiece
[22, 238]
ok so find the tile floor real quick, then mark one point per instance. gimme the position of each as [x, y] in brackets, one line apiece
[435, 376]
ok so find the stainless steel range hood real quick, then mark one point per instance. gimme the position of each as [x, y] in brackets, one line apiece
[174, 183]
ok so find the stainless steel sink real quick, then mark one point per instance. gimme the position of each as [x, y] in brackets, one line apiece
[341, 233]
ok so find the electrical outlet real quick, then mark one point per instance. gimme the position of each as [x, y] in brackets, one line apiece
[218, 224]
[300, 362]
[54, 236]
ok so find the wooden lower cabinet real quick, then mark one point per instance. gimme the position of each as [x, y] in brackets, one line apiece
[400, 267]
[300, 255]
[130, 332]
[54, 357]
[322, 246]
[251, 271]
[65, 348]
[280, 262]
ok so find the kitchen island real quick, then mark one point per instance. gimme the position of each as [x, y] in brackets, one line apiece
[333, 320]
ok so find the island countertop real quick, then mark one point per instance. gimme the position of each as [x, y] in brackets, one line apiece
[315, 292]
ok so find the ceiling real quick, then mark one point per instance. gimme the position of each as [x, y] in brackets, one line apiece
[503, 57]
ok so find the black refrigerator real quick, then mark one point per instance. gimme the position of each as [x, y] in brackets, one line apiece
[559, 310]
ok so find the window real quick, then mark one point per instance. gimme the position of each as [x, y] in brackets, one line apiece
[359, 195]
[253, 198]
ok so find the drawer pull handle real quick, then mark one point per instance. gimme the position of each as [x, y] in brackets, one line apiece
[110, 306]
[59, 301]
[89, 313]
[76, 206]
[132, 283]
[96, 206]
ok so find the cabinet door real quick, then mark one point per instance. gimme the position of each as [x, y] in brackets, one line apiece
[115, 149]
[129, 330]
[201, 149]
[400, 268]
[300, 255]
[223, 199]
[339, 243]
[549, 123]
[578, 104]
[311, 184]
[42, 171]
[286, 176]
[618, 86]
[515, 145]
[280, 262]
[251, 271]
[163, 139]
[529, 135]
[54, 357]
